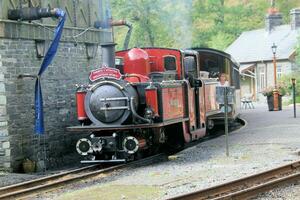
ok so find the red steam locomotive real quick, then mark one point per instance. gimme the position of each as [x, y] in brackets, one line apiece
[143, 99]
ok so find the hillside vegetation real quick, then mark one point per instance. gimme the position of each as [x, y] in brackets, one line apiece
[192, 23]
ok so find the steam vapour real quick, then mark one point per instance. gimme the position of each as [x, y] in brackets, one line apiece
[178, 20]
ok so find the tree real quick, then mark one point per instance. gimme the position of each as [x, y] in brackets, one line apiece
[145, 18]
[193, 23]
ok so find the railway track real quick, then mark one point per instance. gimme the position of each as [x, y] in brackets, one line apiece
[248, 187]
[57, 180]
[54, 181]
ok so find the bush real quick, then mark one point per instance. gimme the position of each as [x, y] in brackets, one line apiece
[286, 81]
[297, 100]
[282, 89]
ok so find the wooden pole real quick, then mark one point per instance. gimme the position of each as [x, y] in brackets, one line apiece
[275, 71]
[275, 91]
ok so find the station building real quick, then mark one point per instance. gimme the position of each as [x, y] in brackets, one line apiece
[22, 48]
[253, 51]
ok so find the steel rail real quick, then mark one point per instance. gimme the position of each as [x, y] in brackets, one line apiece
[18, 186]
[54, 181]
[248, 187]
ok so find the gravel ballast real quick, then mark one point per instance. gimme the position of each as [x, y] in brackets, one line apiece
[269, 140]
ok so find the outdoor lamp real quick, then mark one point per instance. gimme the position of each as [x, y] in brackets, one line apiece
[275, 91]
[293, 81]
[274, 48]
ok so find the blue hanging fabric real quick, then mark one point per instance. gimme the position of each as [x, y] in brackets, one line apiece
[38, 100]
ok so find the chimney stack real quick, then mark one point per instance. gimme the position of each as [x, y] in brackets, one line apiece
[273, 18]
[295, 18]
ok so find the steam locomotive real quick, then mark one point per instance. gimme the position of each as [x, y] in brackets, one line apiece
[143, 99]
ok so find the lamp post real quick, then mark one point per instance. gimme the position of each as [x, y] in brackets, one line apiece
[294, 95]
[275, 91]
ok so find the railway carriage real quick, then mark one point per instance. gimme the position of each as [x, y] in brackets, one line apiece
[143, 99]
[215, 62]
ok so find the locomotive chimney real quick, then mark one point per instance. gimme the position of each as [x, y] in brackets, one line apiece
[108, 54]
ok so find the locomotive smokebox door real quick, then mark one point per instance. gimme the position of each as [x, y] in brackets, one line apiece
[107, 102]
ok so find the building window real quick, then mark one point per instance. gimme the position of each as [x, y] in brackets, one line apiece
[262, 80]
[279, 72]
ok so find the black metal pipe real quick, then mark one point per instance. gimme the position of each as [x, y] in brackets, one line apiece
[108, 54]
[27, 76]
[128, 36]
[27, 14]
[294, 95]
[135, 114]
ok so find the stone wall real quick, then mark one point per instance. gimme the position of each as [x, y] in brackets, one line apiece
[22, 44]
[17, 139]
[4, 139]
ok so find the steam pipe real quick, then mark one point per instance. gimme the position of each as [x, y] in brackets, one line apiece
[128, 35]
[33, 13]
[135, 114]
[101, 24]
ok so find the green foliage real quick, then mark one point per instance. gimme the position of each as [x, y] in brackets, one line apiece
[297, 100]
[281, 88]
[193, 23]
[286, 81]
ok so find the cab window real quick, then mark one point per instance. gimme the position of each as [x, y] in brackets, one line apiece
[169, 63]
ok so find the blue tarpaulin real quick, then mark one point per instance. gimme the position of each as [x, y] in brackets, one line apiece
[38, 101]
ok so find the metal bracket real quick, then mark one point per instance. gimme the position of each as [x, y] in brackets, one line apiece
[21, 76]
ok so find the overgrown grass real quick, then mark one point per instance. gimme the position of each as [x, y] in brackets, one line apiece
[112, 192]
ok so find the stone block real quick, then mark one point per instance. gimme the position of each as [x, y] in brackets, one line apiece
[6, 145]
[2, 124]
[2, 88]
[3, 133]
[7, 152]
[4, 158]
[2, 152]
[9, 60]
[3, 118]
[7, 165]
[2, 100]
[2, 110]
